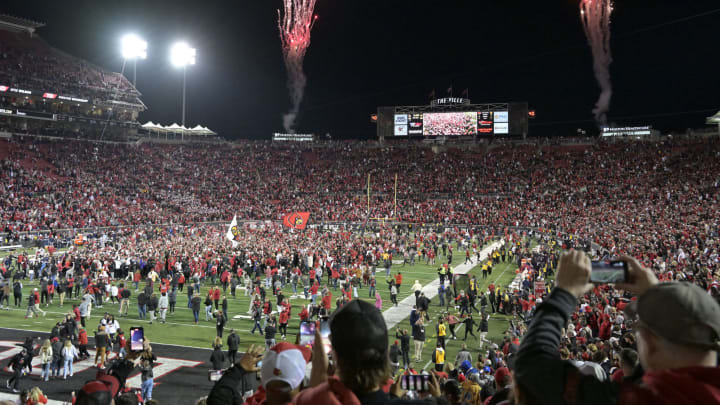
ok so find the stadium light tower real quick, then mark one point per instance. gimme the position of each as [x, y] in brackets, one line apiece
[133, 47]
[182, 55]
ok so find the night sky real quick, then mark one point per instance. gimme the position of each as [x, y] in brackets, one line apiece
[366, 54]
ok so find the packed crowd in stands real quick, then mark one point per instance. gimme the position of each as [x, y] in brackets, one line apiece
[635, 196]
[29, 63]
[656, 202]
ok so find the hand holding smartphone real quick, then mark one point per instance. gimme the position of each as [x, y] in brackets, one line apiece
[137, 339]
[609, 272]
[307, 333]
[415, 382]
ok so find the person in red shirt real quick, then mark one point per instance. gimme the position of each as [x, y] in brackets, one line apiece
[605, 328]
[304, 315]
[224, 278]
[283, 319]
[314, 292]
[51, 293]
[398, 281]
[216, 296]
[83, 342]
[121, 344]
[326, 300]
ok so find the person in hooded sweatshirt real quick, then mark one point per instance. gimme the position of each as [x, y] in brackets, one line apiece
[678, 338]
[359, 340]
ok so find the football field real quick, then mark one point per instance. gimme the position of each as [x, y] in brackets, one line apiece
[181, 330]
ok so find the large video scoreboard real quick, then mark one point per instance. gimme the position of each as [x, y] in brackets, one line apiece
[479, 120]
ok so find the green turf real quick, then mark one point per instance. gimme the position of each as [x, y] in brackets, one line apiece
[502, 275]
[180, 329]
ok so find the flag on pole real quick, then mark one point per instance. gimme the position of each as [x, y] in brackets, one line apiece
[464, 93]
[449, 89]
[233, 233]
[432, 94]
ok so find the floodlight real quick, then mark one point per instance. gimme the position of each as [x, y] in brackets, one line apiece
[133, 47]
[181, 55]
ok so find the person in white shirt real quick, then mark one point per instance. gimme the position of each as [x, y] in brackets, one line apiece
[163, 306]
[111, 327]
[114, 293]
[68, 354]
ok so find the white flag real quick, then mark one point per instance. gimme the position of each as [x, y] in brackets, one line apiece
[232, 231]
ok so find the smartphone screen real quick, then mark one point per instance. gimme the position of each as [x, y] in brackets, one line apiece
[609, 272]
[405, 382]
[307, 333]
[137, 338]
[413, 382]
[215, 375]
[325, 334]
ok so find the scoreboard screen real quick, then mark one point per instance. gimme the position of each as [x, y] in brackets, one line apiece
[452, 123]
[449, 123]
[500, 119]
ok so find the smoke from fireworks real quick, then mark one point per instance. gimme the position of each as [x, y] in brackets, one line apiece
[595, 16]
[295, 23]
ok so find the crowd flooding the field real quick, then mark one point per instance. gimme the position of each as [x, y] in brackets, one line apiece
[654, 201]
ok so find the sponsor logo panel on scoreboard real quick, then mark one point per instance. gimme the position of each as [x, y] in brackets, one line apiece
[416, 124]
[401, 124]
[501, 128]
[485, 122]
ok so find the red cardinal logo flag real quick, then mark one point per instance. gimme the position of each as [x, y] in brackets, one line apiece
[296, 220]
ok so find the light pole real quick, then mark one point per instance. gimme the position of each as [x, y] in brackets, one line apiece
[182, 55]
[133, 47]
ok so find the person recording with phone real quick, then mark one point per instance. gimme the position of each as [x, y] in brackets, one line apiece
[359, 349]
[145, 361]
[677, 327]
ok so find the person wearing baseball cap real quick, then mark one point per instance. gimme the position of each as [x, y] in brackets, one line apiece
[359, 339]
[97, 393]
[677, 326]
[282, 374]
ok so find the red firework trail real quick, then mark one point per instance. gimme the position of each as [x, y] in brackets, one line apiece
[595, 17]
[295, 22]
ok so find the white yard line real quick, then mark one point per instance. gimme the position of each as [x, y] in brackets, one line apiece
[394, 315]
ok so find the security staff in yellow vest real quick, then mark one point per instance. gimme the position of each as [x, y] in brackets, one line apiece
[442, 272]
[441, 332]
[438, 357]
